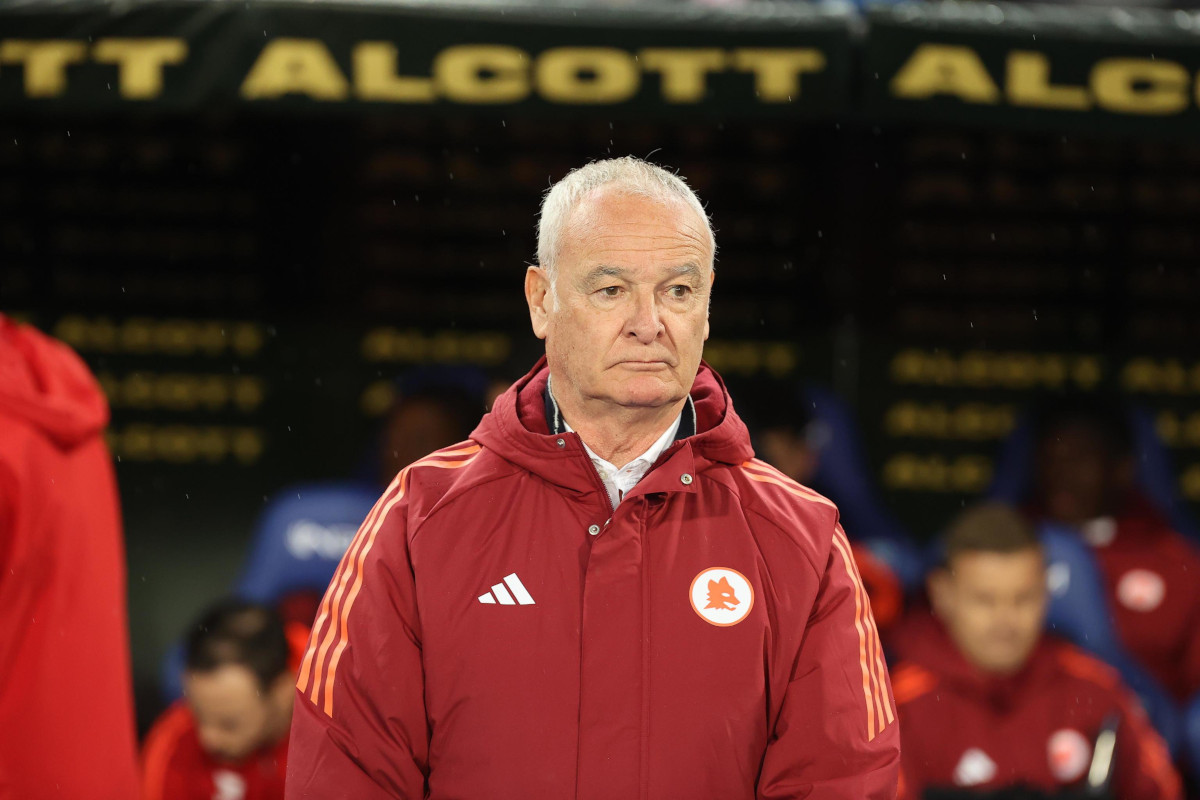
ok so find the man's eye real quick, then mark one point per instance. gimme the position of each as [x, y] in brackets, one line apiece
[679, 292]
[611, 291]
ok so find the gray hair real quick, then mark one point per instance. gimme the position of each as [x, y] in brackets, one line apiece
[632, 176]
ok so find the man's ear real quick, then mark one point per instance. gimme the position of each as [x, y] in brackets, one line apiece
[712, 279]
[538, 296]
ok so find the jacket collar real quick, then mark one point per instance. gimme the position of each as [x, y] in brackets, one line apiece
[519, 430]
[557, 425]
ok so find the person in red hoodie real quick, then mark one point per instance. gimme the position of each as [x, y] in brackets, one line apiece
[229, 738]
[66, 694]
[1084, 479]
[601, 595]
[987, 701]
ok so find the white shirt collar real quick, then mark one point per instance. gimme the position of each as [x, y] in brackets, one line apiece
[619, 482]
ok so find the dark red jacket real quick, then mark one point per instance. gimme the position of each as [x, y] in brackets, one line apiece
[708, 639]
[964, 728]
[176, 767]
[1152, 577]
[66, 695]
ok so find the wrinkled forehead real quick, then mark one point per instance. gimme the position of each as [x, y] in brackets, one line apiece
[611, 217]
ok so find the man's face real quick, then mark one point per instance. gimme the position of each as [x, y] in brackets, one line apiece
[234, 716]
[1077, 478]
[993, 605]
[631, 317]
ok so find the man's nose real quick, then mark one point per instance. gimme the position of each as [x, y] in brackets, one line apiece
[644, 322]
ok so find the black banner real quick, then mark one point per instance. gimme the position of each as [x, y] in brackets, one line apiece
[180, 56]
[1026, 66]
[1035, 67]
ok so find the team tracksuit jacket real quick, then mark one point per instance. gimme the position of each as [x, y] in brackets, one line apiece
[964, 729]
[497, 630]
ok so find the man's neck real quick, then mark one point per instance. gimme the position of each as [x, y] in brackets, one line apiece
[617, 434]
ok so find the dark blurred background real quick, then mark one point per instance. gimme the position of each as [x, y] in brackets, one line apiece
[249, 285]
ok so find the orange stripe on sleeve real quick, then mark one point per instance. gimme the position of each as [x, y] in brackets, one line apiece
[862, 643]
[344, 619]
[763, 468]
[342, 622]
[879, 671]
[466, 449]
[333, 595]
[324, 614]
[331, 606]
[347, 575]
[875, 694]
[315, 656]
[793, 488]
[874, 649]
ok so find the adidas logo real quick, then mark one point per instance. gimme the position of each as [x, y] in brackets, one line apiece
[500, 594]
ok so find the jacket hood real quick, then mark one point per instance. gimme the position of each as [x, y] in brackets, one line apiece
[45, 384]
[517, 430]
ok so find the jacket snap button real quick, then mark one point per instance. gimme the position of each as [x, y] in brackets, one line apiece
[594, 529]
[561, 442]
[685, 479]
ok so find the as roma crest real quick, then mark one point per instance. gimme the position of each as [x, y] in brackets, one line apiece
[722, 596]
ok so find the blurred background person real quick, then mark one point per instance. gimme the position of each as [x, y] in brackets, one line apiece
[229, 738]
[438, 411]
[1084, 479]
[988, 701]
[66, 695]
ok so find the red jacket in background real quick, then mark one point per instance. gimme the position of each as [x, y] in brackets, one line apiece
[66, 698]
[1153, 578]
[962, 728]
[497, 630]
[176, 767]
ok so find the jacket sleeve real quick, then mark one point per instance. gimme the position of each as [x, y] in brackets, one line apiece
[1143, 765]
[359, 728]
[836, 736]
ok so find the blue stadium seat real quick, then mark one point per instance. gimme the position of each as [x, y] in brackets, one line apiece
[300, 538]
[842, 474]
[296, 545]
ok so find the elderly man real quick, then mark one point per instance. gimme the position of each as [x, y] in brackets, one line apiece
[601, 594]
